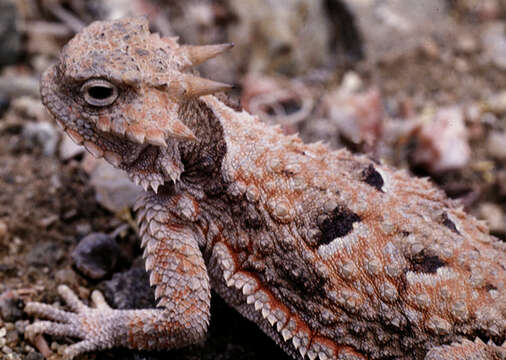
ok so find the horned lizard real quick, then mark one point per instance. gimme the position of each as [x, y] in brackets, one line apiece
[332, 255]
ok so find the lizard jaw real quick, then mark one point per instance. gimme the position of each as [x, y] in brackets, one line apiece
[166, 165]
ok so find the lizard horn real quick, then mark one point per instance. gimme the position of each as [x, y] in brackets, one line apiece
[198, 54]
[196, 86]
[181, 131]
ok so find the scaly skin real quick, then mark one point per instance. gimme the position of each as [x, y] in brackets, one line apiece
[332, 255]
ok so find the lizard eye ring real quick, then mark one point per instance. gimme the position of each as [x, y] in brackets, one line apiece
[99, 92]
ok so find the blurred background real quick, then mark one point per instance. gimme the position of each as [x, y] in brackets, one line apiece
[419, 85]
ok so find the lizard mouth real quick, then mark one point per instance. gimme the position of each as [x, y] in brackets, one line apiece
[145, 165]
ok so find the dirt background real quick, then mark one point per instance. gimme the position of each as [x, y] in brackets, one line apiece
[419, 85]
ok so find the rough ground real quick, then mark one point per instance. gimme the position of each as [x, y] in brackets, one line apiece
[395, 83]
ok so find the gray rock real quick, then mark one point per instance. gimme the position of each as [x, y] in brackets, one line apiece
[10, 306]
[41, 134]
[113, 189]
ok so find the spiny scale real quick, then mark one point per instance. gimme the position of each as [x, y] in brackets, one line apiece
[194, 86]
[197, 54]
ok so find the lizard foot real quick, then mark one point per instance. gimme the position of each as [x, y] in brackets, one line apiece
[92, 325]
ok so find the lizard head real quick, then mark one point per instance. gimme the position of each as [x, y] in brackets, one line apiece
[118, 90]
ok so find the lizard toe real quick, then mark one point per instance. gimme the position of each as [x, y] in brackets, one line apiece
[53, 328]
[71, 299]
[46, 311]
[98, 300]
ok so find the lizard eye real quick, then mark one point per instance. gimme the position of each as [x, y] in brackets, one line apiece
[99, 92]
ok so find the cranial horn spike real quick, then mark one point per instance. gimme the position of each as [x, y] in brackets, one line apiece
[198, 54]
[155, 137]
[197, 86]
[181, 131]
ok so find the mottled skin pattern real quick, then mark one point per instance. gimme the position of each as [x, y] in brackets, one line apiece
[333, 255]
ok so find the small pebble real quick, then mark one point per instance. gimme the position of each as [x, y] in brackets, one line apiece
[467, 43]
[83, 229]
[96, 255]
[3, 229]
[65, 276]
[461, 65]
[12, 337]
[442, 140]
[21, 326]
[494, 44]
[494, 216]
[12, 356]
[358, 116]
[497, 103]
[496, 145]
[430, 48]
[34, 356]
[351, 82]
[47, 221]
[10, 309]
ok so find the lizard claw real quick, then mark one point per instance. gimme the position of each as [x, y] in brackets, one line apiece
[83, 322]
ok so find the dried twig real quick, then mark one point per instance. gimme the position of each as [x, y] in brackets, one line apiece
[65, 16]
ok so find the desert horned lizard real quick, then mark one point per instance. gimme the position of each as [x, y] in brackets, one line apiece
[332, 255]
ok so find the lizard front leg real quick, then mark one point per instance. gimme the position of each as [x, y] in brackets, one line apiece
[178, 272]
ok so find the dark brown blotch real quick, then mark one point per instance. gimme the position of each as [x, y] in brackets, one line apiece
[489, 287]
[427, 263]
[445, 220]
[338, 224]
[372, 177]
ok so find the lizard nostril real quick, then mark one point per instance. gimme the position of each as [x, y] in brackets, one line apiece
[99, 92]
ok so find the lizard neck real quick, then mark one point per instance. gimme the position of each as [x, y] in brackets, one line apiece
[202, 158]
